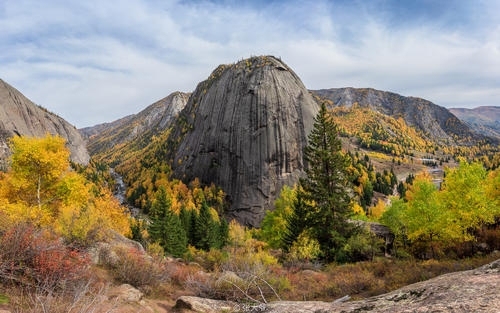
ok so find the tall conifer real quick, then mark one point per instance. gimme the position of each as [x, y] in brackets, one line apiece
[158, 214]
[327, 187]
[166, 227]
[206, 229]
[297, 221]
[175, 237]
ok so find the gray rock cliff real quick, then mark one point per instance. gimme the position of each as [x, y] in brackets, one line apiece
[20, 116]
[244, 129]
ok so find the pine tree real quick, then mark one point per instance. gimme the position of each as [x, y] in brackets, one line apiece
[223, 234]
[175, 237]
[186, 220]
[206, 229]
[296, 222]
[366, 198]
[192, 234]
[166, 227]
[327, 186]
[158, 214]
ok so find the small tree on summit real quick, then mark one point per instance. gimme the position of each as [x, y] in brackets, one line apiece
[326, 189]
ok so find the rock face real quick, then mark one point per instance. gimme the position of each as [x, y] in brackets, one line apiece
[484, 120]
[155, 118]
[469, 291]
[244, 129]
[20, 116]
[436, 122]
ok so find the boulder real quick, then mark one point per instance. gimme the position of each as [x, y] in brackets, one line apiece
[203, 305]
[104, 252]
[127, 293]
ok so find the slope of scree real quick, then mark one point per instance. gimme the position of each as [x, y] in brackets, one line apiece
[436, 122]
[20, 116]
[244, 129]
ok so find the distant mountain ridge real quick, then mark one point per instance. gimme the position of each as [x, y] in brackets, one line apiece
[20, 116]
[245, 127]
[484, 120]
[153, 119]
[436, 122]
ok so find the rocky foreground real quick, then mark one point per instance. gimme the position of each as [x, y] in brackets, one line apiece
[469, 291]
[474, 291]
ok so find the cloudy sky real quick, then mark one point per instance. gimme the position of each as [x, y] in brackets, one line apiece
[95, 61]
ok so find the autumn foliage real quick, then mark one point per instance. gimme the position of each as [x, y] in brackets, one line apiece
[41, 188]
[433, 222]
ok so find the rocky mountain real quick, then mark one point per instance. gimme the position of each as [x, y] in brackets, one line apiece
[435, 122]
[20, 116]
[155, 118]
[244, 129]
[484, 120]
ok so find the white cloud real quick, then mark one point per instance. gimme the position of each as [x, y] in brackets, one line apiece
[97, 61]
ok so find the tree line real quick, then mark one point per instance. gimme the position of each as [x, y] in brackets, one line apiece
[203, 230]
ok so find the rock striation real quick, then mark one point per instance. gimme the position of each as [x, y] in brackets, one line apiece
[244, 129]
[19, 116]
[154, 119]
[436, 122]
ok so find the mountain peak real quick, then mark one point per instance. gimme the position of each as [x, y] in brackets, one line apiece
[20, 116]
[244, 129]
[155, 118]
[436, 122]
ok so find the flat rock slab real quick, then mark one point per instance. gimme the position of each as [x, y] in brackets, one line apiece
[203, 305]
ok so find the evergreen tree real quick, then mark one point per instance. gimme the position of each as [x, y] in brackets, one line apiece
[401, 190]
[185, 216]
[192, 234]
[366, 198]
[175, 237]
[296, 221]
[160, 209]
[223, 234]
[327, 187]
[166, 227]
[206, 229]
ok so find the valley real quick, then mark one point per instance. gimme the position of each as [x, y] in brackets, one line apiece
[244, 190]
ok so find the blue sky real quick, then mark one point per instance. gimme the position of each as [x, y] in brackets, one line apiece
[96, 61]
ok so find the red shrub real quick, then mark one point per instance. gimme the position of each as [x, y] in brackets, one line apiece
[36, 257]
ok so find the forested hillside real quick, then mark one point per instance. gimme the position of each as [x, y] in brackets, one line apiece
[249, 189]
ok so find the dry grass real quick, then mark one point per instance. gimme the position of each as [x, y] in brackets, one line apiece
[365, 279]
[39, 274]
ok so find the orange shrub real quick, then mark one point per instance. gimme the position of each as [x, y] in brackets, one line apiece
[38, 257]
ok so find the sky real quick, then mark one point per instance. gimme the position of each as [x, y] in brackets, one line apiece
[96, 61]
